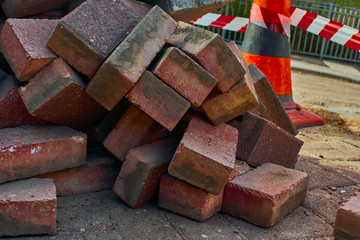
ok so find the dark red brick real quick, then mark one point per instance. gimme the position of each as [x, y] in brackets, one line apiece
[55, 14]
[87, 35]
[57, 94]
[223, 107]
[347, 223]
[97, 174]
[12, 109]
[262, 141]
[274, 110]
[210, 50]
[22, 8]
[184, 75]
[24, 45]
[266, 194]
[28, 207]
[27, 151]
[139, 178]
[129, 60]
[189, 10]
[133, 127]
[205, 157]
[182, 198]
[241, 167]
[158, 100]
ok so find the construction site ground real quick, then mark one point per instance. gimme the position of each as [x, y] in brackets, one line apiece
[330, 154]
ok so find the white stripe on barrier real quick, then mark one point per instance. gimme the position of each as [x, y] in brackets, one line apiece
[318, 24]
[344, 34]
[297, 15]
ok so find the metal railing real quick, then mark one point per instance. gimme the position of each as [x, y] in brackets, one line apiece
[304, 42]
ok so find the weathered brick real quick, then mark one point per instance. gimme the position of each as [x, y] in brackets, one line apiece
[138, 181]
[12, 109]
[205, 157]
[210, 50]
[87, 35]
[262, 141]
[24, 45]
[134, 127]
[274, 110]
[184, 75]
[28, 207]
[27, 151]
[182, 198]
[97, 174]
[347, 223]
[266, 194]
[223, 107]
[240, 168]
[189, 10]
[22, 8]
[57, 94]
[158, 100]
[55, 14]
[129, 60]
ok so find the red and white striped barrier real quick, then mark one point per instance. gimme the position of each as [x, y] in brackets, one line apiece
[324, 27]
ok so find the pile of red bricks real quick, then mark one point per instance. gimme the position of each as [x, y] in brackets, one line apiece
[191, 124]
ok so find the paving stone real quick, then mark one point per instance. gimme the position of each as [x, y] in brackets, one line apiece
[57, 94]
[16, 9]
[347, 223]
[27, 151]
[274, 110]
[135, 127]
[158, 100]
[127, 63]
[189, 10]
[180, 197]
[223, 107]
[12, 109]
[138, 181]
[261, 141]
[28, 207]
[97, 174]
[205, 157]
[87, 35]
[321, 176]
[24, 45]
[210, 50]
[184, 75]
[265, 195]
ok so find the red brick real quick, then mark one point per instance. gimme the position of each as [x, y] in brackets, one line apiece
[97, 174]
[182, 198]
[22, 8]
[347, 223]
[274, 110]
[28, 207]
[12, 109]
[24, 45]
[138, 181]
[27, 151]
[266, 194]
[241, 167]
[210, 50]
[223, 107]
[139, 7]
[129, 60]
[87, 35]
[133, 127]
[184, 75]
[158, 100]
[262, 141]
[57, 94]
[205, 157]
[55, 14]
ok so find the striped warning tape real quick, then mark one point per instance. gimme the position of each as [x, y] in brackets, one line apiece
[324, 27]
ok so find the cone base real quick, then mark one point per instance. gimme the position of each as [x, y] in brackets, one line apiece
[302, 118]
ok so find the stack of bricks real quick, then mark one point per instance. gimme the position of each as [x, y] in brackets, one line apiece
[148, 106]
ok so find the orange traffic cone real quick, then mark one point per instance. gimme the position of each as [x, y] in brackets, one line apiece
[266, 44]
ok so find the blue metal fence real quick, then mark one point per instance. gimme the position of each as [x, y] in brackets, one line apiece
[304, 42]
